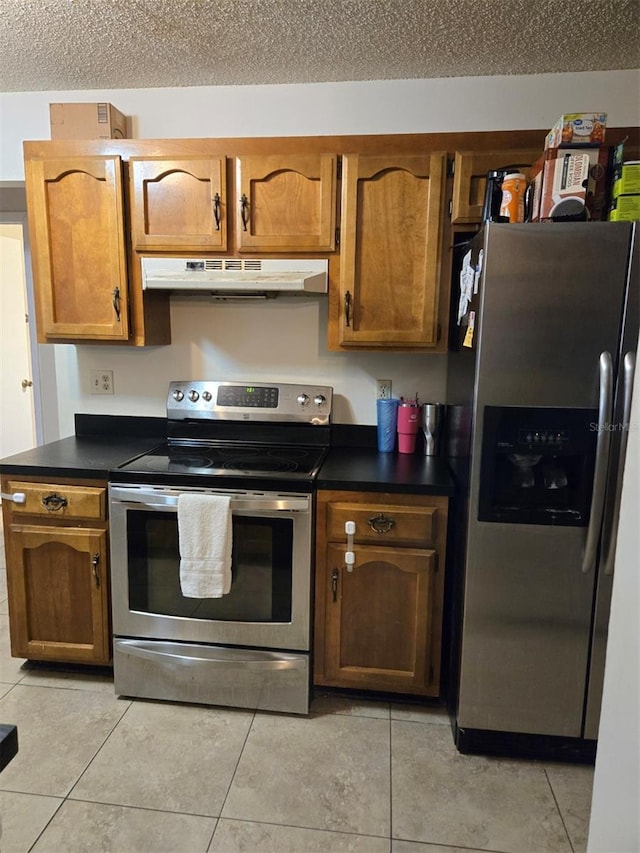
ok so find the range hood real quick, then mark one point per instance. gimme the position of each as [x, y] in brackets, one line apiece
[233, 277]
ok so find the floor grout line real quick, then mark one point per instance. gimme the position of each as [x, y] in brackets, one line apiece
[255, 717]
[555, 800]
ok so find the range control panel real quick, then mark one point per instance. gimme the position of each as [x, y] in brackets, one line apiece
[251, 401]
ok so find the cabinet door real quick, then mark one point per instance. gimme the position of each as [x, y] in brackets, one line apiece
[470, 178]
[58, 599]
[179, 205]
[78, 247]
[378, 620]
[286, 203]
[390, 249]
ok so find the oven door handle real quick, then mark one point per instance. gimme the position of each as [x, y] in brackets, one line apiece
[237, 504]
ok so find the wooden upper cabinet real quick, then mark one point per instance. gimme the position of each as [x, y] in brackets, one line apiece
[179, 204]
[286, 203]
[470, 174]
[390, 249]
[76, 222]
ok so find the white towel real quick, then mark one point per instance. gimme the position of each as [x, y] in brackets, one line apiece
[205, 538]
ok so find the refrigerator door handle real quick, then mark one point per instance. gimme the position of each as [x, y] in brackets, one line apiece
[603, 444]
[628, 372]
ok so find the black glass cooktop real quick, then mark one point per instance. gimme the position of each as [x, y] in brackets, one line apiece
[231, 460]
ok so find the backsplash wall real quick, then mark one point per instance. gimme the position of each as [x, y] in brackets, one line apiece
[282, 339]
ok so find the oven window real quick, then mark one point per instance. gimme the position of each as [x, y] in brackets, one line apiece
[261, 586]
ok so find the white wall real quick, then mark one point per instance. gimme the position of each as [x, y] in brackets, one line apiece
[393, 106]
[294, 348]
[615, 817]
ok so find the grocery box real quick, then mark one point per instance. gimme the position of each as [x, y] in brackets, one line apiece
[627, 181]
[87, 121]
[577, 129]
[570, 182]
[626, 208]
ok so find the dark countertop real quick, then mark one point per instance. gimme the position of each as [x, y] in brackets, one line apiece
[364, 469]
[103, 443]
[77, 456]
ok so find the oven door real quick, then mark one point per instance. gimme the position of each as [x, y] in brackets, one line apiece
[268, 606]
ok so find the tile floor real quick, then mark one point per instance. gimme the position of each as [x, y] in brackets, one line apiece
[99, 773]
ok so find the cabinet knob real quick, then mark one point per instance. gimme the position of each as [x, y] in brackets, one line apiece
[26, 383]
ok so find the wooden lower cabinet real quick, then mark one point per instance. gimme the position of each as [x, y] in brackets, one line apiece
[378, 626]
[57, 572]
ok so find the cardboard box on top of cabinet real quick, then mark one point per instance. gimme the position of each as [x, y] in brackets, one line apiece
[87, 121]
[577, 129]
[567, 180]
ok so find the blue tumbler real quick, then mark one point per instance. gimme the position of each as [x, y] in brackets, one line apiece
[387, 412]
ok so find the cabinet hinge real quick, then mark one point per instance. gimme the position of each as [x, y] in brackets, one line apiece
[451, 166]
[337, 236]
[438, 332]
[339, 168]
[450, 206]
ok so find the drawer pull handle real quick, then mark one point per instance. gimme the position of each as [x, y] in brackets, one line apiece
[334, 584]
[347, 308]
[54, 502]
[244, 213]
[94, 568]
[381, 523]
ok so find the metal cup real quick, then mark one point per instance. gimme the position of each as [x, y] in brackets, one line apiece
[432, 424]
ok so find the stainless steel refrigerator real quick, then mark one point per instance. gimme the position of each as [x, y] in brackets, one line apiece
[539, 390]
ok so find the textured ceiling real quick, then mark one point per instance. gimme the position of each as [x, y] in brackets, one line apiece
[51, 45]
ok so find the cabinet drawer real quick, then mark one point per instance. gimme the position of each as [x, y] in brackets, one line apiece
[56, 501]
[383, 524]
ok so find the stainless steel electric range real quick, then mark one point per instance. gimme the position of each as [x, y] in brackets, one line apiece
[260, 444]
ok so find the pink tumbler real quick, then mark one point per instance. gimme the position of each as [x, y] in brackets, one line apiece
[408, 423]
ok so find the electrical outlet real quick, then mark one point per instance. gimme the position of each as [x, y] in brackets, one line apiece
[383, 389]
[101, 381]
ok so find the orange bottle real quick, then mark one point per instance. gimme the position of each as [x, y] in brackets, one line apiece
[514, 186]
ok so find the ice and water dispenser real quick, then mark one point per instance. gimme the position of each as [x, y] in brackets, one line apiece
[537, 465]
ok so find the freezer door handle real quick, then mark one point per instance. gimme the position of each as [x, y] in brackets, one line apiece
[628, 373]
[603, 443]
